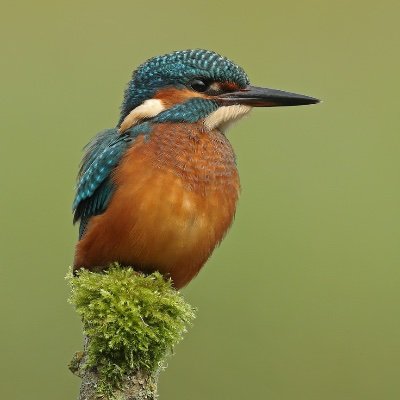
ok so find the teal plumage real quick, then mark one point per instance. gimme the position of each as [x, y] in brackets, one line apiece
[159, 191]
[177, 69]
[102, 155]
[190, 111]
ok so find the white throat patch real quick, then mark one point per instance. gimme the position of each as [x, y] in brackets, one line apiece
[225, 115]
[148, 109]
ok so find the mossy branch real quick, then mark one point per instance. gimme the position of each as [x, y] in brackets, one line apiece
[131, 323]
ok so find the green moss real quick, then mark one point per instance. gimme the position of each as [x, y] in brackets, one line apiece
[132, 321]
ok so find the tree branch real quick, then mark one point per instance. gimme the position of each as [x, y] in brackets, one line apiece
[131, 323]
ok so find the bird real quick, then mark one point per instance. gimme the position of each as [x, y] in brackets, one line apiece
[159, 191]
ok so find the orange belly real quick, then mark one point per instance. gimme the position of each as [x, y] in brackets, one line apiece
[175, 199]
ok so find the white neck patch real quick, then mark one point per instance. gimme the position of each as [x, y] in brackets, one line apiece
[225, 115]
[148, 109]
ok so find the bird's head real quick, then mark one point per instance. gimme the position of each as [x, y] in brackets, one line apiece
[196, 85]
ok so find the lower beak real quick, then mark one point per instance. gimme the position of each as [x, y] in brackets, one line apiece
[263, 97]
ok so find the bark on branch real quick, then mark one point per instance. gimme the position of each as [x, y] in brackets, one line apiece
[131, 323]
[137, 385]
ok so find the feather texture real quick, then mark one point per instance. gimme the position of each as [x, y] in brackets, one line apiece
[175, 198]
[95, 184]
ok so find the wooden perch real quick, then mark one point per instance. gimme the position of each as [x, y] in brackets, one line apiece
[131, 323]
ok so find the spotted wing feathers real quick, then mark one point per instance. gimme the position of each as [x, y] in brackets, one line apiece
[95, 186]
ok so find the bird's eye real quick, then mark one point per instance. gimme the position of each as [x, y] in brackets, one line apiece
[199, 85]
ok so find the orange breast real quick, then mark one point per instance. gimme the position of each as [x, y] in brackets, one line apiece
[175, 199]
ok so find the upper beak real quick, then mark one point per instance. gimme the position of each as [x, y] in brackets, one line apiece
[263, 97]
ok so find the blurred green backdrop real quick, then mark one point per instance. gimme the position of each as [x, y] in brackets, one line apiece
[302, 299]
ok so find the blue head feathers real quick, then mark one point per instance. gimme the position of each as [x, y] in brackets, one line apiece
[190, 86]
[178, 69]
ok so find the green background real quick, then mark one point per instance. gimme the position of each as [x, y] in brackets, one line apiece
[301, 301]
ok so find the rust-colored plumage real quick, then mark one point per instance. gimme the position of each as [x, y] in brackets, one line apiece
[159, 191]
[175, 199]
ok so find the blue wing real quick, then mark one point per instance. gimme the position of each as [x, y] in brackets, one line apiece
[95, 187]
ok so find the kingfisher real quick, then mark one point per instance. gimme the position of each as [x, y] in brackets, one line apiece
[159, 191]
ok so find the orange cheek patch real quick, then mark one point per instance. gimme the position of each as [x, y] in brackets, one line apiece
[229, 86]
[171, 96]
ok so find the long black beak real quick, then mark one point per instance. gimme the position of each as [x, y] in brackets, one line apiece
[263, 97]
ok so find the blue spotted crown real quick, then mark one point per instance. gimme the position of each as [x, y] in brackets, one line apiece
[178, 68]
